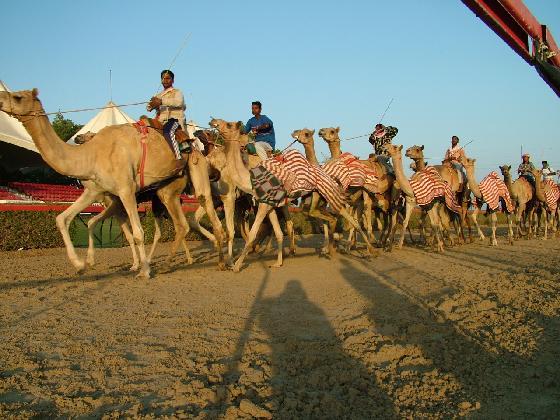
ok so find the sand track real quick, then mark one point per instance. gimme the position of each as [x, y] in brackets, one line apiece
[475, 330]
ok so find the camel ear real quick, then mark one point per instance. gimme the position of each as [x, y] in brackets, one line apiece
[399, 147]
[312, 132]
[509, 167]
[35, 93]
[337, 129]
[473, 160]
[422, 147]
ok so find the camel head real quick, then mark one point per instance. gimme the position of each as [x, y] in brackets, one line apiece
[20, 103]
[229, 130]
[415, 152]
[537, 173]
[504, 169]
[329, 134]
[467, 162]
[393, 149]
[304, 136]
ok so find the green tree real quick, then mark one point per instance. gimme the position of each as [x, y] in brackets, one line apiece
[64, 127]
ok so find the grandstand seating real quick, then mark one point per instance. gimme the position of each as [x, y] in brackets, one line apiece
[6, 194]
[47, 192]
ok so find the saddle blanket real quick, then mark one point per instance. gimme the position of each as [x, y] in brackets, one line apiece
[552, 194]
[493, 189]
[428, 185]
[350, 172]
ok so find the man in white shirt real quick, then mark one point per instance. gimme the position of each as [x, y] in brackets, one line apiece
[547, 172]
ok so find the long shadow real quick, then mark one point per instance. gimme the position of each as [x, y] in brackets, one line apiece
[497, 380]
[312, 375]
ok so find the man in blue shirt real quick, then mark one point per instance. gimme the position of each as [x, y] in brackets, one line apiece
[261, 126]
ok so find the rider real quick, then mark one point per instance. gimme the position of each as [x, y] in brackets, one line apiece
[526, 168]
[454, 155]
[170, 111]
[547, 172]
[381, 136]
[263, 129]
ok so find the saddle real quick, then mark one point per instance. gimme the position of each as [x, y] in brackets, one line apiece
[180, 135]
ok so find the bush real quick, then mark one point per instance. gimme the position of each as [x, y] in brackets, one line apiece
[29, 230]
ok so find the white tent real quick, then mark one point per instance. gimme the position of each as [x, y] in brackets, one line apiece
[110, 115]
[12, 131]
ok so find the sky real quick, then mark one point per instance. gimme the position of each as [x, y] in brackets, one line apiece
[311, 63]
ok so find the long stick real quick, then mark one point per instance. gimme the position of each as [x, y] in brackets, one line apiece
[386, 109]
[179, 51]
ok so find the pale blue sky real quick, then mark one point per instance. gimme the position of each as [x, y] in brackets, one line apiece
[312, 64]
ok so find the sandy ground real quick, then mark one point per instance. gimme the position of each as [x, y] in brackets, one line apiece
[474, 331]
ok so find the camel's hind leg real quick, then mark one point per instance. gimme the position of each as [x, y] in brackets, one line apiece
[344, 213]
[273, 217]
[315, 212]
[289, 228]
[494, 221]
[195, 224]
[262, 212]
[409, 206]
[474, 219]
[172, 202]
[436, 227]
[64, 219]
[111, 208]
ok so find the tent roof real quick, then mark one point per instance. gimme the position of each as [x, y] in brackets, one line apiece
[12, 131]
[110, 115]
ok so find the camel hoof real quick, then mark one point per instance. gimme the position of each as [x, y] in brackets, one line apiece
[134, 267]
[275, 265]
[292, 252]
[143, 275]
[236, 267]
[222, 266]
[190, 261]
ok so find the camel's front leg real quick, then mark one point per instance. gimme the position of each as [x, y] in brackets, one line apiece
[111, 208]
[64, 219]
[229, 211]
[128, 200]
[409, 207]
[436, 229]
[289, 228]
[494, 221]
[330, 220]
[262, 212]
[344, 213]
[172, 202]
[474, 219]
[195, 224]
[273, 217]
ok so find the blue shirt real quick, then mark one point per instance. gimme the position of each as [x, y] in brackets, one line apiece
[267, 136]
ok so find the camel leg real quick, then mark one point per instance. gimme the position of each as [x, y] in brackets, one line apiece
[64, 219]
[474, 219]
[195, 224]
[229, 210]
[316, 213]
[108, 211]
[262, 212]
[128, 200]
[289, 228]
[172, 202]
[409, 206]
[494, 221]
[367, 210]
[344, 213]
[435, 223]
[157, 237]
[273, 217]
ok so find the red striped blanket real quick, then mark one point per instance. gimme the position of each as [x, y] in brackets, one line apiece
[493, 189]
[350, 172]
[428, 185]
[298, 175]
[552, 194]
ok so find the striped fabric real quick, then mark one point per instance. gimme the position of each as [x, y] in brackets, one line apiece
[350, 172]
[552, 194]
[427, 185]
[299, 176]
[493, 189]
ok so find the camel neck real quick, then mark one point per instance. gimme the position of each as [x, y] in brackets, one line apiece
[539, 190]
[334, 148]
[65, 159]
[399, 175]
[473, 185]
[310, 153]
[238, 172]
[420, 163]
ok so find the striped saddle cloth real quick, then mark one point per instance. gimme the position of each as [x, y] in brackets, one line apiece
[350, 172]
[428, 185]
[298, 176]
[552, 194]
[493, 189]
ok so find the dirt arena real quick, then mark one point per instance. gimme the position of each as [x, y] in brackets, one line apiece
[471, 332]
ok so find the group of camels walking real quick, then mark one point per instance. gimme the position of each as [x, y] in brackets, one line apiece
[121, 160]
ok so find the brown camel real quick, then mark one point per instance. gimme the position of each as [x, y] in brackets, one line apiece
[228, 192]
[109, 165]
[542, 189]
[453, 178]
[469, 165]
[231, 132]
[436, 215]
[522, 194]
[383, 199]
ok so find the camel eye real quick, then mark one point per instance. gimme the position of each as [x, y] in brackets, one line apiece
[228, 125]
[17, 97]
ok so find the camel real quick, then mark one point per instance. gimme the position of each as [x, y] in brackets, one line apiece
[522, 194]
[453, 179]
[109, 165]
[231, 132]
[542, 191]
[469, 165]
[436, 215]
[228, 192]
[385, 195]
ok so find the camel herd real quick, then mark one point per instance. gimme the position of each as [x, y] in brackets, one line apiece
[362, 193]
